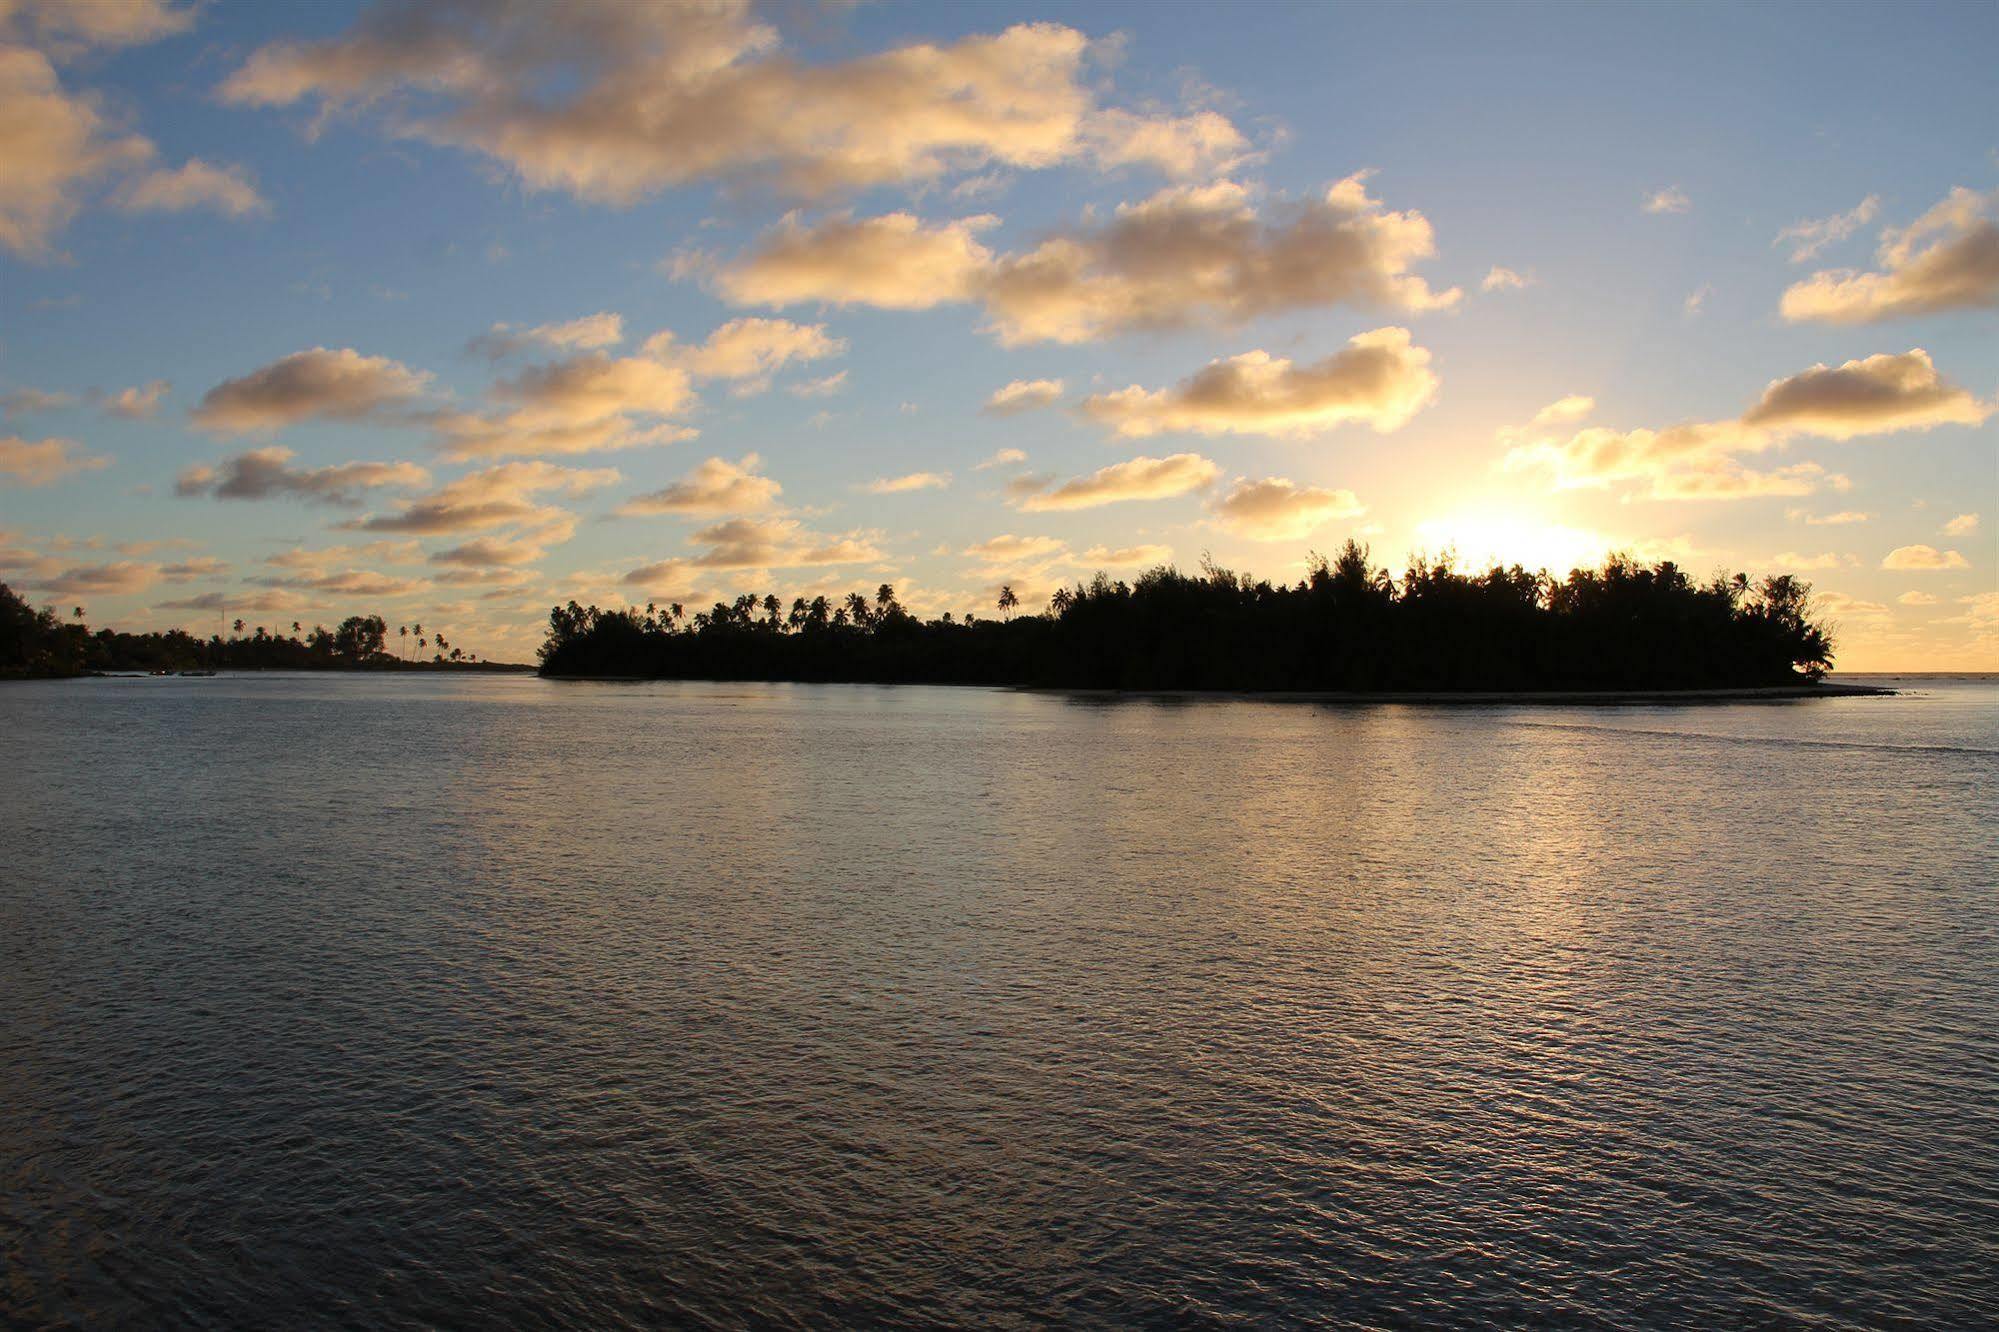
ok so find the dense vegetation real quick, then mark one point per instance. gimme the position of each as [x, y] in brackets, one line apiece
[40, 643]
[1346, 626]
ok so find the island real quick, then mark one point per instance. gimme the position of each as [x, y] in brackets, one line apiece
[41, 644]
[1347, 628]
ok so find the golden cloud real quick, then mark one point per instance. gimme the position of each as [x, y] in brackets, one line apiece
[1277, 510]
[716, 486]
[1947, 259]
[41, 462]
[317, 384]
[267, 473]
[612, 101]
[1379, 378]
[1185, 256]
[1139, 479]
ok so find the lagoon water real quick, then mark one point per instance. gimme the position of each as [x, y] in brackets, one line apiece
[337, 1000]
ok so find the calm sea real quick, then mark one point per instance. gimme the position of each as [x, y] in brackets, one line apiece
[335, 1000]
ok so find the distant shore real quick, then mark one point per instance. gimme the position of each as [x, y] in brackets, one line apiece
[1764, 693]
[1500, 696]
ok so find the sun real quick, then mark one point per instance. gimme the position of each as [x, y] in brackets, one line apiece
[1482, 537]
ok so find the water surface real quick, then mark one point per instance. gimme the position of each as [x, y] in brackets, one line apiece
[337, 1000]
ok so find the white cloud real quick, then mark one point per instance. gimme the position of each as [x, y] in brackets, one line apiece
[1671, 199]
[1504, 279]
[1002, 458]
[593, 332]
[1962, 525]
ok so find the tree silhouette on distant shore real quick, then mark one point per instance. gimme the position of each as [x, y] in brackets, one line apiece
[1347, 625]
[38, 643]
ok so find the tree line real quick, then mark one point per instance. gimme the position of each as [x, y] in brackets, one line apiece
[42, 643]
[1346, 625]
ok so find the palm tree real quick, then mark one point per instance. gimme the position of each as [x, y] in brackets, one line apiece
[239, 626]
[404, 631]
[1007, 601]
[77, 611]
[297, 629]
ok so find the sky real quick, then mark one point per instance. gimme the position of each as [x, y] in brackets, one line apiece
[452, 311]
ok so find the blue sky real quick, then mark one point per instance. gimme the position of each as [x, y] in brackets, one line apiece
[1631, 166]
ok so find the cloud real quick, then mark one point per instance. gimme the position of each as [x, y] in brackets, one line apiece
[592, 401]
[41, 462]
[1504, 279]
[325, 557]
[1696, 300]
[492, 554]
[1840, 519]
[1838, 603]
[320, 383]
[824, 387]
[68, 27]
[1139, 479]
[1792, 560]
[899, 485]
[1875, 395]
[612, 102]
[1809, 237]
[1947, 259]
[1923, 558]
[497, 496]
[195, 185]
[1002, 458]
[32, 401]
[1011, 556]
[1277, 510]
[1127, 557]
[1571, 408]
[1380, 378]
[581, 404]
[267, 474]
[748, 349]
[110, 580]
[1024, 395]
[1962, 525]
[350, 583]
[716, 486]
[1916, 599]
[205, 566]
[138, 403]
[762, 544]
[57, 144]
[1186, 256]
[891, 262]
[1672, 199]
[589, 333]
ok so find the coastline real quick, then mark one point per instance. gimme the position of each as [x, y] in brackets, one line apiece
[1500, 697]
[1490, 697]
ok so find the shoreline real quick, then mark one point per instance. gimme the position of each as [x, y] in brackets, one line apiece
[1498, 697]
[1490, 697]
